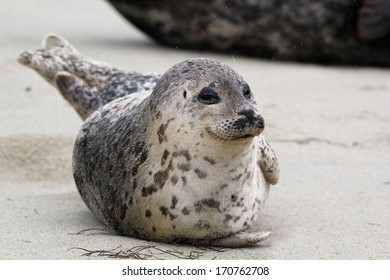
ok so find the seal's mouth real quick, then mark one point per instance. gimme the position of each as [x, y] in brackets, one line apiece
[237, 129]
[246, 136]
[232, 135]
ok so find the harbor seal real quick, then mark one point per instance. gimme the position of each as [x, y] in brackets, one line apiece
[179, 159]
[321, 31]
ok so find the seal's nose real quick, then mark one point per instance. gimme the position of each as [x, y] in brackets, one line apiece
[254, 119]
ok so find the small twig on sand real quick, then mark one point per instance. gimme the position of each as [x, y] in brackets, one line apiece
[145, 252]
[94, 231]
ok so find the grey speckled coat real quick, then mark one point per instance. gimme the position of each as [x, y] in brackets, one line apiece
[172, 158]
[298, 30]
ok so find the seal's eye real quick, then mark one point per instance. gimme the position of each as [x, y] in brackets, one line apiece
[247, 92]
[208, 96]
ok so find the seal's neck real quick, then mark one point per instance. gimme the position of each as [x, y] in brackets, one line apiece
[212, 151]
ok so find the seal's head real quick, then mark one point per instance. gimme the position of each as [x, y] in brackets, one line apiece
[212, 97]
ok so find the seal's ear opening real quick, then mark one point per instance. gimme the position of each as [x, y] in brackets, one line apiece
[185, 94]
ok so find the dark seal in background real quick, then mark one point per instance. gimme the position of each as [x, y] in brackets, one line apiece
[321, 31]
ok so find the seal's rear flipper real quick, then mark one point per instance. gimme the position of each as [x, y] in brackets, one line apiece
[86, 84]
[35, 62]
[52, 40]
[50, 59]
[59, 55]
[82, 97]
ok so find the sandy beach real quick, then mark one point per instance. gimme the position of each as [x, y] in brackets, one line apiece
[329, 125]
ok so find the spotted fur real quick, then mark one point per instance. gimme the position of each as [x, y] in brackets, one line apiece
[322, 31]
[164, 165]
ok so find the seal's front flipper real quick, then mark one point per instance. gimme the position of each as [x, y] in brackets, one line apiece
[241, 239]
[374, 20]
[268, 162]
[82, 97]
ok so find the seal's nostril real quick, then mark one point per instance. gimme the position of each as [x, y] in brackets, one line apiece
[250, 114]
[253, 118]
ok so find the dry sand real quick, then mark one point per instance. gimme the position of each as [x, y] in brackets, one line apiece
[330, 127]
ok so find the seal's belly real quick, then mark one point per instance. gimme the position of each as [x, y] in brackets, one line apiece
[199, 209]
